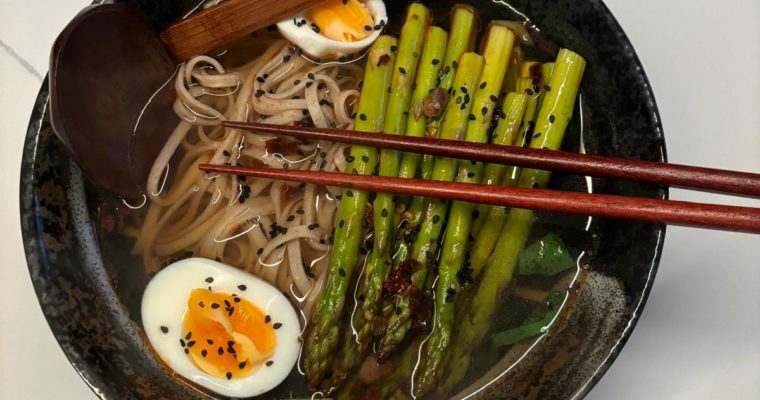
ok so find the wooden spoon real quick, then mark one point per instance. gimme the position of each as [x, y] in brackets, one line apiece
[107, 67]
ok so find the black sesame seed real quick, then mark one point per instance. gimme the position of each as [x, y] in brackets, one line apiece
[164, 329]
[210, 341]
[470, 174]
[189, 335]
[384, 212]
[378, 27]
[483, 85]
[350, 159]
[220, 350]
[277, 325]
[242, 287]
[296, 82]
[362, 117]
[286, 58]
[229, 375]
[436, 218]
[242, 365]
[342, 272]
[310, 76]
[313, 226]
[300, 212]
[260, 79]
[494, 98]
[341, 223]
[536, 135]
[402, 70]
[455, 64]
[529, 92]
[259, 93]
[349, 193]
[484, 110]
[394, 49]
[471, 117]
[191, 343]
[187, 351]
[236, 299]
[269, 363]
[214, 306]
[226, 153]
[182, 342]
[398, 311]
[365, 158]
[267, 319]
[309, 84]
[551, 119]
[204, 352]
[436, 61]
[367, 28]
[209, 280]
[291, 218]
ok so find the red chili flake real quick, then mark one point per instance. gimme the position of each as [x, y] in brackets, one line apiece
[400, 280]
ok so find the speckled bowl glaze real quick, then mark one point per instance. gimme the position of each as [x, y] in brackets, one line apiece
[81, 298]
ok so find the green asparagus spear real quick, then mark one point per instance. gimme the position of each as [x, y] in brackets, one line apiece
[463, 26]
[427, 80]
[377, 266]
[457, 114]
[505, 134]
[325, 321]
[485, 238]
[556, 111]
[498, 47]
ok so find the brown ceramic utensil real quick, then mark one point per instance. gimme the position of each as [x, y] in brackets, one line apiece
[105, 69]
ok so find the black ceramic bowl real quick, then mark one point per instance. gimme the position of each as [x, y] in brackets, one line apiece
[92, 315]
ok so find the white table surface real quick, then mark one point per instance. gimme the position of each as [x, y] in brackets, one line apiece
[698, 336]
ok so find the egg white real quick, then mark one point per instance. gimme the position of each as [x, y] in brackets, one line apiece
[164, 303]
[317, 45]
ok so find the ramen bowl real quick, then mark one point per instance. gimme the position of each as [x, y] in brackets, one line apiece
[90, 298]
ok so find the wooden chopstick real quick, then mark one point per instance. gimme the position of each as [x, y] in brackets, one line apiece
[742, 219]
[716, 180]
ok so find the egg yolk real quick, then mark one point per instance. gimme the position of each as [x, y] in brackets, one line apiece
[342, 20]
[225, 335]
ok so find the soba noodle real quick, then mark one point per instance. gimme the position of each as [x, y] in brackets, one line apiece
[278, 231]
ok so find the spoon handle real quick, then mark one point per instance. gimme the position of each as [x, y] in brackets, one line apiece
[222, 23]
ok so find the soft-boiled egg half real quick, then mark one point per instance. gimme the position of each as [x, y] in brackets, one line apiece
[220, 327]
[336, 28]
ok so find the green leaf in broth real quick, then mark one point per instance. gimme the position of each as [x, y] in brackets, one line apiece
[547, 256]
[542, 316]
